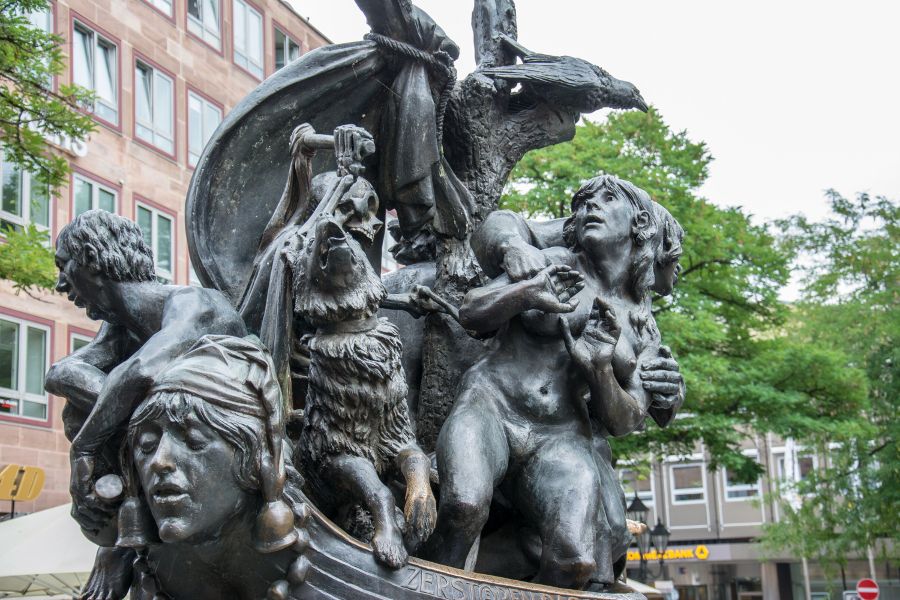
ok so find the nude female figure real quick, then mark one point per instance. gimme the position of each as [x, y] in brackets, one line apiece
[520, 423]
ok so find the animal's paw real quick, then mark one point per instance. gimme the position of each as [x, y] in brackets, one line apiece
[111, 575]
[389, 550]
[421, 514]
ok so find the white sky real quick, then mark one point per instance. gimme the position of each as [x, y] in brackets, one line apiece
[792, 97]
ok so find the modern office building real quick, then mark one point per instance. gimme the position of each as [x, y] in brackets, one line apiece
[714, 522]
[165, 72]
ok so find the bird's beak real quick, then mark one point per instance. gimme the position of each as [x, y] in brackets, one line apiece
[639, 103]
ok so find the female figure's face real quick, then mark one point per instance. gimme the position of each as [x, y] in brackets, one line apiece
[604, 218]
[187, 474]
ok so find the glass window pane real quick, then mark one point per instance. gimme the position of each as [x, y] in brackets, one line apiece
[12, 189]
[212, 116]
[42, 20]
[79, 343]
[143, 95]
[805, 465]
[293, 50]
[83, 191]
[211, 17]
[106, 72]
[193, 8]
[688, 477]
[35, 410]
[40, 203]
[164, 243]
[254, 37]
[35, 360]
[195, 127]
[145, 222]
[82, 49]
[240, 27]
[106, 200]
[280, 53]
[9, 354]
[162, 107]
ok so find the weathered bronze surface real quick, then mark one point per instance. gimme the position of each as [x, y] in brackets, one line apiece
[302, 427]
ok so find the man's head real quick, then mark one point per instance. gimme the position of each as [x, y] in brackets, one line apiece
[97, 248]
[609, 213]
[668, 252]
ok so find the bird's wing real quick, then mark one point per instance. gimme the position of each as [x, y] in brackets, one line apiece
[547, 73]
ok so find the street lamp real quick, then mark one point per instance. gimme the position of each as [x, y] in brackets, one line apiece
[660, 536]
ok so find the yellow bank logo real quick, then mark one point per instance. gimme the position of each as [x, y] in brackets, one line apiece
[699, 552]
[21, 484]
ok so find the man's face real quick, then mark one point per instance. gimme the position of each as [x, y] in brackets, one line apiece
[82, 286]
[604, 219]
[665, 275]
[187, 474]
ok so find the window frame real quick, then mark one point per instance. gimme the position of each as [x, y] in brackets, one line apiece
[187, 120]
[96, 181]
[276, 29]
[169, 16]
[741, 487]
[220, 49]
[25, 184]
[675, 491]
[263, 39]
[74, 18]
[47, 399]
[140, 58]
[157, 210]
[77, 333]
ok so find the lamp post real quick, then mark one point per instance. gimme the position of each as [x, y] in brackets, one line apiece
[659, 536]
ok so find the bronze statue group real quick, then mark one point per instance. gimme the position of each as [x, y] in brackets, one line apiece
[207, 427]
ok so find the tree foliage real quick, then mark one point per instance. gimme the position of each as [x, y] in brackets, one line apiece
[850, 302]
[33, 107]
[745, 373]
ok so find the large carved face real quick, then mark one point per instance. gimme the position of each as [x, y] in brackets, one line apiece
[188, 476]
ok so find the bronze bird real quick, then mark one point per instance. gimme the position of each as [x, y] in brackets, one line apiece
[566, 81]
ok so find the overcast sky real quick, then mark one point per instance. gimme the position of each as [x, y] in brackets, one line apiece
[792, 97]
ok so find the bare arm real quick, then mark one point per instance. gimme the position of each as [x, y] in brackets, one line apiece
[621, 410]
[552, 290]
[187, 317]
[80, 376]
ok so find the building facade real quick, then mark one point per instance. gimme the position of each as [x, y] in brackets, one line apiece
[165, 72]
[714, 523]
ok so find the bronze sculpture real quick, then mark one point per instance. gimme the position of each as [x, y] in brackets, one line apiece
[512, 348]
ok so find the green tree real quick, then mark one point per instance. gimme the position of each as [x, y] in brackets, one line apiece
[725, 322]
[34, 107]
[850, 300]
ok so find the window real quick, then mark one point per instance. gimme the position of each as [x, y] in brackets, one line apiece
[88, 195]
[157, 229]
[43, 20]
[95, 66]
[163, 6]
[23, 364]
[688, 486]
[631, 482]
[286, 49]
[248, 31]
[203, 21]
[740, 491]
[154, 103]
[22, 199]
[77, 342]
[203, 118]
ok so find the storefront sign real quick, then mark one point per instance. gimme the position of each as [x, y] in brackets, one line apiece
[20, 484]
[699, 552]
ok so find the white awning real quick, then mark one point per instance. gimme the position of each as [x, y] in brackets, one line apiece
[44, 554]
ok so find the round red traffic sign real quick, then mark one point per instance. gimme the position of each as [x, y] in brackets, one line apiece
[867, 589]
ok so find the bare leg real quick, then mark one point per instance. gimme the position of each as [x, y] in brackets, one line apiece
[472, 458]
[560, 492]
[358, 477]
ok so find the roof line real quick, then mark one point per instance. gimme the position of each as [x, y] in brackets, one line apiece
[327, 39]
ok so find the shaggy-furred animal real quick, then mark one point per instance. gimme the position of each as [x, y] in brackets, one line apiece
[356, 431]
